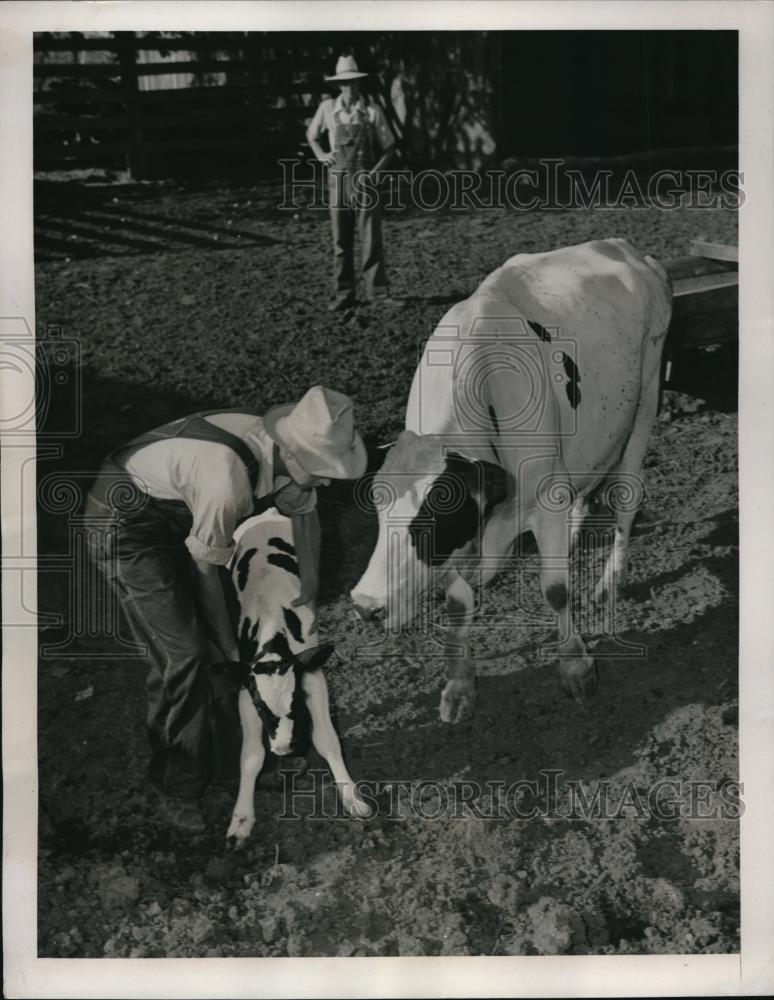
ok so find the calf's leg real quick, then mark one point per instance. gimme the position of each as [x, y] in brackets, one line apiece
[326, 742]
[252, 757]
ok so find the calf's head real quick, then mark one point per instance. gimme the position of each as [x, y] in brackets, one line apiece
[275, 685]
[432, 504]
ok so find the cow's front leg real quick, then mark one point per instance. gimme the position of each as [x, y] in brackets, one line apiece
[459, 696]
[326, 743]
[577, 670]
[252, 757]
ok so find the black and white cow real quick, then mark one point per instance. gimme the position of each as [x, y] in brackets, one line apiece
[284, 700]
[532, 394]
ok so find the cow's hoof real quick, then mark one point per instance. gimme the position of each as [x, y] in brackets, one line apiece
[607, 586]
[580, 678]
[458, 701]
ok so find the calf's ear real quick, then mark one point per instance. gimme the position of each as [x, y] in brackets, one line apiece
[313, 659]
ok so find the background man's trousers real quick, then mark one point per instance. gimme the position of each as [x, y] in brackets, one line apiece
[348, 211]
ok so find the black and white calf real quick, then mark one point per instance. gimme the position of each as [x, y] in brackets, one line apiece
[284, 698]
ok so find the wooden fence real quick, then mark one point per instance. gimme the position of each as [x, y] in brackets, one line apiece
[133, 101]
[158, 102]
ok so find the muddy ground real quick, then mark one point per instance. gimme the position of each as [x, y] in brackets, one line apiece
[185, 297]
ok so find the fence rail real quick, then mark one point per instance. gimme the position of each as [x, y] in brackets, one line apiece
[108, 105]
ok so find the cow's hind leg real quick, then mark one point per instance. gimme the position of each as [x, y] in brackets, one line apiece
[326, 743]
[252, 757]
[625, 491]
[459, 695]
[554, 532]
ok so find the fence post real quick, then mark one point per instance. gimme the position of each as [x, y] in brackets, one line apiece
[254, 100]
[135, 157]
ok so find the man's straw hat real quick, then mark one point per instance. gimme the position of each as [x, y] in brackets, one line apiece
[319, 431]
[346, 69]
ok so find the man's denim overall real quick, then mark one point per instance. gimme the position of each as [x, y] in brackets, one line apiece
[354, 151]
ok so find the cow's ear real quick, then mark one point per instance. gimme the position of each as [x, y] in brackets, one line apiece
[313, 659]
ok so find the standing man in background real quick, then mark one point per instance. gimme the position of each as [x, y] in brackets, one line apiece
[361, 144]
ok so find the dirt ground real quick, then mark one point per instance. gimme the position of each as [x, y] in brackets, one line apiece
[181, 298]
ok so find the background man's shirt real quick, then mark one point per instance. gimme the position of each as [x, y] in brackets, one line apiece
[332, 110]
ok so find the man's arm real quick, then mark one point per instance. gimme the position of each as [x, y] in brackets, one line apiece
[214, 608]
[385, 139]
[383, 160]
[306, 536]
[314, 133]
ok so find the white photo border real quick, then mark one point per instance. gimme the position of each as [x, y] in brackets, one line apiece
[751, 972]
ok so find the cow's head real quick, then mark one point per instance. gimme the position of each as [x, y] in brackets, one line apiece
[275, 685]
[432, 504]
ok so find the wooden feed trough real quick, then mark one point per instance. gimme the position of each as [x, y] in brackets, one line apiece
[706, 296]
[705, 309]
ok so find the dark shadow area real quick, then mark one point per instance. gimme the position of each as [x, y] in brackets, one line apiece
[86, 221]
[524, 723]
[709, 374]
[109, 412]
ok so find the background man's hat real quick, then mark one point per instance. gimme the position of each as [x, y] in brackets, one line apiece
[346, 69]
[320, 433]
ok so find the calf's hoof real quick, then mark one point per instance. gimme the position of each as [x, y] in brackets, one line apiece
[458, 701]
[355, 806]
[239, 830]
[579, 678]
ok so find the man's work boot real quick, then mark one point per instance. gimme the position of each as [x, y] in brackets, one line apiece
[181, 814]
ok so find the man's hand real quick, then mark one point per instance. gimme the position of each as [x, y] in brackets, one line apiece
[307, 597]
[213, 603]
[381, 163]
[319, 152]
[230, 654]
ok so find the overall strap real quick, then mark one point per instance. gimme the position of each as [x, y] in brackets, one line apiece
[197, 428]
